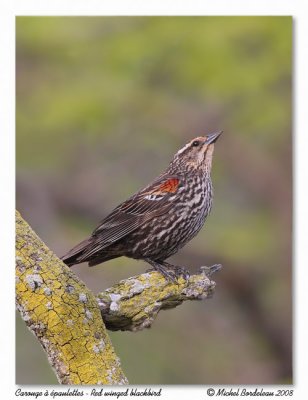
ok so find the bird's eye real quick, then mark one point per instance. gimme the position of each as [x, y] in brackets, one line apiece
[196, 143]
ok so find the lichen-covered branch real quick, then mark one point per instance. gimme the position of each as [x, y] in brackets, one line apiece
[67, 318]
[63, 314]
[133, 304]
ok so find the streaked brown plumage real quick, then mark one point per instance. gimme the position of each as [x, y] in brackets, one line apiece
[157, 221]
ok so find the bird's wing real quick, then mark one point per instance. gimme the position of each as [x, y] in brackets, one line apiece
[154, 200]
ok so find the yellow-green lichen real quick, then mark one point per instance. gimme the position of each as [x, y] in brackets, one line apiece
[134, 303]
[55, 305]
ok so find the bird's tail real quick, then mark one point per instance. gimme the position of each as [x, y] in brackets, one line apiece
[76, 255]
[88, 251]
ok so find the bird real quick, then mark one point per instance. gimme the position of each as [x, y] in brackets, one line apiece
[158, 220]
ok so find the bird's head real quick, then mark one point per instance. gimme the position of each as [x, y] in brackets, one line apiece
[197, 154]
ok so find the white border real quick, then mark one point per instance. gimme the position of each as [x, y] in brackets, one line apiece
[7, 182]
[156, 7]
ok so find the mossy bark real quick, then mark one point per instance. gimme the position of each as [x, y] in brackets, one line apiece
[63, 314]
[134, 303]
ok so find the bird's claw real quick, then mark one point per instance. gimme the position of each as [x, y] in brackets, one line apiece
[171, 272]
[170, 276]
[181, 271]
[177, 270]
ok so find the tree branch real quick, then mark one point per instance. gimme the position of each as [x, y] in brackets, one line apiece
[63, 314]
[66, 317]
[134, 303]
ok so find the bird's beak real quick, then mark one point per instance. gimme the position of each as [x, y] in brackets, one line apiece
[211, 138]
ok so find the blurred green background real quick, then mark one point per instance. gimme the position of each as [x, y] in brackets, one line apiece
[103, 103]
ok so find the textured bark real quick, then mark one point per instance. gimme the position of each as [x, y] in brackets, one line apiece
[134, 303]
[67, 318]
[63, 314]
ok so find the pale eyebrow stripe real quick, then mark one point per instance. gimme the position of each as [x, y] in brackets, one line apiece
[183, 148]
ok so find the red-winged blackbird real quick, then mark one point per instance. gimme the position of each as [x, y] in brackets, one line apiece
[157, 221]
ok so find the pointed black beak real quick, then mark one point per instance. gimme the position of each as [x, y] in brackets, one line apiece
[212, 137]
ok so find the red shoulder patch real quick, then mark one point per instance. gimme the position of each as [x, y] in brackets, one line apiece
[170, 186]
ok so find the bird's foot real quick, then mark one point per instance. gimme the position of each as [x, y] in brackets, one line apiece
[177, 270]
[209, 271]
[170, 272]
[170, 276]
